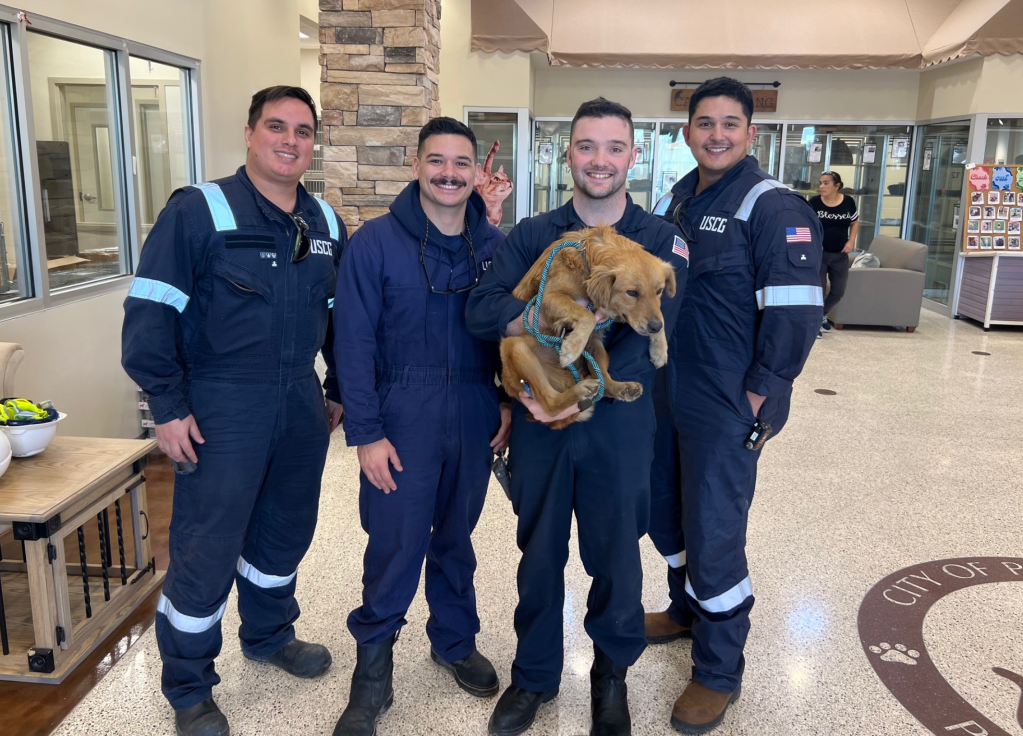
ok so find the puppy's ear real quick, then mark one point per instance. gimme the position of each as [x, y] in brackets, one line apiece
[572, 259]
[600, 286]
[669, 280]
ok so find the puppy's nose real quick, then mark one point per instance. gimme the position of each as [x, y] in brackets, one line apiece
[654, 326]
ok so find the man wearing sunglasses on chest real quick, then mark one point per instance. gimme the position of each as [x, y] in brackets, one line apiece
[422, 408]
[222, 325]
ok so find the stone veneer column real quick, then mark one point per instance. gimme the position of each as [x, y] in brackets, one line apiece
[379, 67]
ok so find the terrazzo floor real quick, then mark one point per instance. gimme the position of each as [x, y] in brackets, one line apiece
[916, 458]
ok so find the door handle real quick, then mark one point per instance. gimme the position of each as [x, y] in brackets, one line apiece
[87, 197]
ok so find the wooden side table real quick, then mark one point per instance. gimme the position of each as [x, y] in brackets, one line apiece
[85, 561]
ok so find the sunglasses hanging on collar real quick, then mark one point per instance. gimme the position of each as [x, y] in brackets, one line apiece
[467, 236]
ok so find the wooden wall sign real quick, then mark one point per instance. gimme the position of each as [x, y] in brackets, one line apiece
[764, 100]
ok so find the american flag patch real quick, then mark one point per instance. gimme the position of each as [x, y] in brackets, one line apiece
[797, 235]
[680, 248]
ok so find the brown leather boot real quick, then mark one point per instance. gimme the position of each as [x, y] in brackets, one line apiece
[700, 709]
[662, 628]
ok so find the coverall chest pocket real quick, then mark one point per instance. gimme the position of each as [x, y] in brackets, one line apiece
[734, 262]
[403, 319]
[315, 324]
[240, 316]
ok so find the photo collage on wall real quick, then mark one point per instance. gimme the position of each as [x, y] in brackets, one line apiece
[994, 208]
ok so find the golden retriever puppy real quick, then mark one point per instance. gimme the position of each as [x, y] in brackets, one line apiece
[624, 282]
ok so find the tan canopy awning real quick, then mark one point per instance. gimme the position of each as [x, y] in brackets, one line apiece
[750, 34]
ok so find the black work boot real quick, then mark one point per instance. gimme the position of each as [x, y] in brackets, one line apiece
[371, 693]
[609, 697]
[473, 673]
[298, 658]
[516, 710]
[204, 719]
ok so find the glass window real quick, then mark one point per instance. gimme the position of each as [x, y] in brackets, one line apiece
[938, 188]
[674, 159]
[767, 147]
[640, 181]
[873, 161]
[503, 128]
[163, 151]
[1004, 143]
[78, 145]
[15, 270]
[552, 181]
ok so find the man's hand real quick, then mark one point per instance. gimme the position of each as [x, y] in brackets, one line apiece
[335, 413]
[500, 441]
[755, 402]
[174, 438]
[539, 414]
[374, 459]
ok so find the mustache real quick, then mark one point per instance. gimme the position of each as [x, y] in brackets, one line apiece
[448, 181]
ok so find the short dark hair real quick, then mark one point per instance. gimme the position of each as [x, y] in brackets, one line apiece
[274, 94]
[603, 108]
[733, 89]
[835, 178]
[447, 126]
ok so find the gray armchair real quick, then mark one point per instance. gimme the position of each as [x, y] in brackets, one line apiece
[890, 295]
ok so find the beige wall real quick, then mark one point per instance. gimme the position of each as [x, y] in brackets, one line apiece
[990, 85]
[311, 73]
[73, 352]
[814, 95]
[473, 78]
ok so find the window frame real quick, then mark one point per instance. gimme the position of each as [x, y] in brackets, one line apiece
[127, 184]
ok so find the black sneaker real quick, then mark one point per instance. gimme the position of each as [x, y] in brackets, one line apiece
[474, 673]
[826, 324]
[203, 719]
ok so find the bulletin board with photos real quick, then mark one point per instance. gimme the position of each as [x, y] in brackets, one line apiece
[994, 208]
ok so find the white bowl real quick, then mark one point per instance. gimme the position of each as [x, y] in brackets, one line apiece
[31, 439]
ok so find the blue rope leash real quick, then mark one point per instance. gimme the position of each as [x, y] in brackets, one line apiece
[553, 341]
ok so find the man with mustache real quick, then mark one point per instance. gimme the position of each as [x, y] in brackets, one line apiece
[748, 321]
[598, 469]
[423, 410]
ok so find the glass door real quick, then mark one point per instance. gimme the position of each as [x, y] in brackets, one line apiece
[552, 181]
[937, 192]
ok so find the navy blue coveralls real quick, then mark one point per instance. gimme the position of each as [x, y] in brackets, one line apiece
[220, 324]
[600, 468]
[409, 371]
[749, 318]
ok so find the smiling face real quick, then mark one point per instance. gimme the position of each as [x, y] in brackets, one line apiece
[446, 170]
[600, 155]
[719, 135]
[281, 144]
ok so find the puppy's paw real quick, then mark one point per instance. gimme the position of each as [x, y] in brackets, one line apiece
[572, 348]
[587, 388]
[630, 391]
[658, 350]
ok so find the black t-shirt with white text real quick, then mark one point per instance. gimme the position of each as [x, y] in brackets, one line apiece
[836, 221]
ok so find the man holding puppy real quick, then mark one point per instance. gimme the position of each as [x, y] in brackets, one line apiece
[600, 468]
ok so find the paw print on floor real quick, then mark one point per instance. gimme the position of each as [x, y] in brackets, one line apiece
[897, 654]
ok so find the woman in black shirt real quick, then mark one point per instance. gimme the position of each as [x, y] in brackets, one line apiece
[840, 222]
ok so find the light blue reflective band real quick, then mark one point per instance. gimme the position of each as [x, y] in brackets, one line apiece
[676, 561]
[330, 303]
[254, 576]
[328, 212]
[157, 291]
[189, 624]
[661, 208]
[220, 210]
[790, 296]
[746, 208]
[728, 600]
